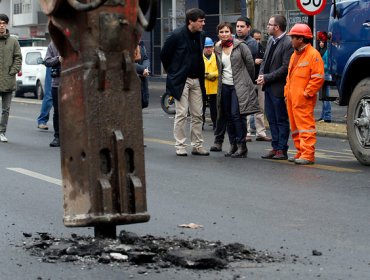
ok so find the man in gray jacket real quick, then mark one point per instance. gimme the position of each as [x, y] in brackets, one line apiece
[10, 65]
[272, 77]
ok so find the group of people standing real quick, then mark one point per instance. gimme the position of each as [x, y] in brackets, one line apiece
[240, 78]
[284, 81]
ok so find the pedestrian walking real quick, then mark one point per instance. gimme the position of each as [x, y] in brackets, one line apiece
[54, 60]
[47, 102]
[305, 78]
[10, 65]
[182, 59]
[272, 77]
[211, 80]
[236, 91]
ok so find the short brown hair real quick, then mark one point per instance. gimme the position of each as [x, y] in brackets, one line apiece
[193, 15]
[280, 21]
[224, 24]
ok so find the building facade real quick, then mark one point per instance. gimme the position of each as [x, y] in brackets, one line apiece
[172, 15]
[28, 21]
[26, 18]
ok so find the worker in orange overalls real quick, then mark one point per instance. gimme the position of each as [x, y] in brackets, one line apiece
[304, 80]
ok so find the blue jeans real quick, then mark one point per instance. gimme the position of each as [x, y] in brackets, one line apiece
[47, 101]
[235, 123]
[326, 107]
[278, 119]
[326, 111]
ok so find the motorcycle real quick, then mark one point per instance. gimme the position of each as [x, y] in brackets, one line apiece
[168, 103]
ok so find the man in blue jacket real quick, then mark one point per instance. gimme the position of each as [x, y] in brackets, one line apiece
[142, 69]
[182, 59]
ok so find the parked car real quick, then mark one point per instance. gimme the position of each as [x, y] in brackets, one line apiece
[32, 76]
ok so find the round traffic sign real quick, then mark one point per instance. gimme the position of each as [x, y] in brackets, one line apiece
[311, 7]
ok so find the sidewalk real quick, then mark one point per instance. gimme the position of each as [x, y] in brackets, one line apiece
[337, 128]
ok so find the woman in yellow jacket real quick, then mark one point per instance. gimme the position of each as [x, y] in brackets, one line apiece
[304, 80]
[210, 81]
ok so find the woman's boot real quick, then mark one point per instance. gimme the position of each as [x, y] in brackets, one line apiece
[241, 152]
[233, 149]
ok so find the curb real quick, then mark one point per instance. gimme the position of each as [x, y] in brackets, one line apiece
[26, 100]
[334, 130]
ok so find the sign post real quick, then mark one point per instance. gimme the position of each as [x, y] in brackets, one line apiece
[311, 7]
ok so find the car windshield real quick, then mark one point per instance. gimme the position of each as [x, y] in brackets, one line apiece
[31, 58]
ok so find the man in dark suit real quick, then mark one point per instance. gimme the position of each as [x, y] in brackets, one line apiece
[272, 76]
[182, 59]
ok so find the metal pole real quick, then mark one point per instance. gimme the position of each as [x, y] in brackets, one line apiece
[105, 231]
[173, 14]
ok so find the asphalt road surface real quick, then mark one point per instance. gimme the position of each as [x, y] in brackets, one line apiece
[273, 206]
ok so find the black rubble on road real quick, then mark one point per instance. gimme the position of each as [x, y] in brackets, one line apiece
[149, 251]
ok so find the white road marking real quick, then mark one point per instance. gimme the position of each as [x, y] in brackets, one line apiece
[36, 175]
[21, 118]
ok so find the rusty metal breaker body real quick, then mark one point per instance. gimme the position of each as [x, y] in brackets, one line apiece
[102, 151]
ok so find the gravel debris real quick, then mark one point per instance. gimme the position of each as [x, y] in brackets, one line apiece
[148, 252]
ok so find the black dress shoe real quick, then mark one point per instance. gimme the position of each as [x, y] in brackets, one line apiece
[269, 155]
[280, 155]
[55, 143]
[217, 147]
[264, 138]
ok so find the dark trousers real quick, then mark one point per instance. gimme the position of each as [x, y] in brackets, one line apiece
[212, 103]
[235, 123]
[277, 116]
[220, 129]
[54, 93]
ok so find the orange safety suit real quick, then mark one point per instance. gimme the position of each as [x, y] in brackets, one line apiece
[305, 78]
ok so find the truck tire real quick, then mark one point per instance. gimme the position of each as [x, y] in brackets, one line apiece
[358, 122]
[19, 93]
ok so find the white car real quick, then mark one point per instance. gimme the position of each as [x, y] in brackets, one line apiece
[32, 76]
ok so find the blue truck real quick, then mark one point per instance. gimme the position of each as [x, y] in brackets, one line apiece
[349, 64]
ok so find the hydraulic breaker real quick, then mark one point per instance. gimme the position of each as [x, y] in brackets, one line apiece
[101, 128]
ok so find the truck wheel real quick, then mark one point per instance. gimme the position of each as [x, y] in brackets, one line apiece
[39, 92]
[19, 93]
[358, 122]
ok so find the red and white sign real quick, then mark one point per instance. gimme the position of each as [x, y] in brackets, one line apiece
[311, 7]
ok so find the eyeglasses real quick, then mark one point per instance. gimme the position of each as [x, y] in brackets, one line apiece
[271, 24]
